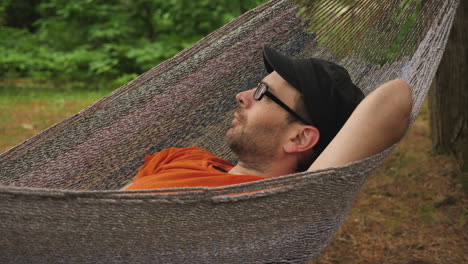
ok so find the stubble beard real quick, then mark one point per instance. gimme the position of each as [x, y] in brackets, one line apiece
[255, 146]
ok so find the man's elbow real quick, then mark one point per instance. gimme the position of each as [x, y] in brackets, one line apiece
[400, 104]
[405, 100]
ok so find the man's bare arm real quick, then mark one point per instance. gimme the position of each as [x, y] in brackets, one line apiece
[378, 122]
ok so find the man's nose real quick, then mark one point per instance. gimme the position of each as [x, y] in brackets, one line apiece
[245, 98]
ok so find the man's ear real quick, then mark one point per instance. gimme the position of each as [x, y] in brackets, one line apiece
[301, 138]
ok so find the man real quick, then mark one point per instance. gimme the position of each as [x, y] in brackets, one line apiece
[286, 124]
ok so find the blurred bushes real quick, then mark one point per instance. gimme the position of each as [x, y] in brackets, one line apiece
[112, 40]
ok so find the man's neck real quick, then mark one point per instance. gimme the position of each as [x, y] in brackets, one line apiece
[272, 169]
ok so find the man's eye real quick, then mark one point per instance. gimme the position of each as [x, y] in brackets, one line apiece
[267, 99]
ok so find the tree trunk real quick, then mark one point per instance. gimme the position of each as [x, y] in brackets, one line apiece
[448, 98]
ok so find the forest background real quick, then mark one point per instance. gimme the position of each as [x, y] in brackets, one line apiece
[101, 44]
[59, 56]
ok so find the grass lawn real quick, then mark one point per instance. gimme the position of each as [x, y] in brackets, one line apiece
[26, 110]
[412, 210]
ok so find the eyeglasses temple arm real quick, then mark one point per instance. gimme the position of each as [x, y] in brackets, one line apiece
[278, 101]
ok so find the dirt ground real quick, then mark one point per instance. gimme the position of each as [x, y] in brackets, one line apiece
[412, 210]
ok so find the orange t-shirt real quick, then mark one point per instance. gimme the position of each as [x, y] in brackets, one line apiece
[186, 167]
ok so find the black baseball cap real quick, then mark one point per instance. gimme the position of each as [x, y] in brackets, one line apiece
[329, 94]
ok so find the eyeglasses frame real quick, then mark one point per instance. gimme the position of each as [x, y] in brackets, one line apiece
[276, 100]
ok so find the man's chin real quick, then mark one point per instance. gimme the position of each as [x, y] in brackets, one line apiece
[231, 136]
[228, 135]
[231, 130]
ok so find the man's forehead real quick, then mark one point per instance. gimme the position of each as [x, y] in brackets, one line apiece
[276, 83]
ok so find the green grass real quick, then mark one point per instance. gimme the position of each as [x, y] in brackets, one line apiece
[29, 92]
[30, 108]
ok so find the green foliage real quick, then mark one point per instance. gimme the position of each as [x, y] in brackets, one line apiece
[112, 40]
[19, 14]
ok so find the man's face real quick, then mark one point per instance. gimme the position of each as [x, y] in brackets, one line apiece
[258, 127]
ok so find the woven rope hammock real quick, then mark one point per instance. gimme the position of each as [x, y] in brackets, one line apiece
[58, 190]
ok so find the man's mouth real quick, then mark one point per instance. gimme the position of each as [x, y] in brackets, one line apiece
[236, 119]
[238, 116]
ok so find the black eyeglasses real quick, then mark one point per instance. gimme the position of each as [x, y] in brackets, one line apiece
[262, 89]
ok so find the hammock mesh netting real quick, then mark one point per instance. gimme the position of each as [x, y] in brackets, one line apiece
[59, 198]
